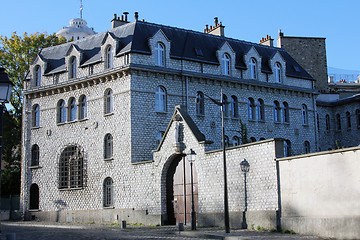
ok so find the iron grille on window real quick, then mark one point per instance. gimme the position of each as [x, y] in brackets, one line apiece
[71, 168]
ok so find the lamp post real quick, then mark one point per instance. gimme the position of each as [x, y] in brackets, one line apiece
[5, 92]
[226, 201]
[191, 155]
[245, 167]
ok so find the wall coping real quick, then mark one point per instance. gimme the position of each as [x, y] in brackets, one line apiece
[318, 154]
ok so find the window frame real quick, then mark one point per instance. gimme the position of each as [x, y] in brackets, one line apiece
[287, 148]
[72, 109]
[109, 57]
[37, 75]
[108, 192]
[71, 168]
[225, 105]
[260, 110]
[251, 109]
[277, 72]
[160, 54]
[160, 99]
[35, 155]
[233, 107]
[306, 147]
[108, 146]
[61, 111]
[108, 101]
[277, 112]
[253, 68]
[36, 116]
[226, 63]
[285, 113]
[304, 114]
[200, 103]
[235, 141]
[82, 107]
[73, 67]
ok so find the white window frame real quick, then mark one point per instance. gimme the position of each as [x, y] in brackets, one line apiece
[108, 192]
[304, 113]
[37, 76]
[109, 57]
[160, 99]
[226, 60]
[108, 101]
[36, 116]
[277, 72]
[160, 54]
[253, 68]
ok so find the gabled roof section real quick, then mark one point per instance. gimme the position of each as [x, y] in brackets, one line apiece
[71, 47]
[134, 37]
[179, 110]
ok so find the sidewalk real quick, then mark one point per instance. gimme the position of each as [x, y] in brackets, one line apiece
[42, 230]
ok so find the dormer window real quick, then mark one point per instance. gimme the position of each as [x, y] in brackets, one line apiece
[226, 64]
[109, 57]
[73, 67]
[159, 54]
[277, 72]
[253, 68]
[37, 76]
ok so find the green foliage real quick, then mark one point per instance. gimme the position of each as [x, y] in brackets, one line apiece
[243, 133]
[16, 54]
[258, 228]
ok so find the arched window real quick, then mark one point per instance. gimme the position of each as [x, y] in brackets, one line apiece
[277, 72]
[61, 111]
[225, 105]
[277, 112]
[338, 122]
[287, 148]
[158, 137]
[304, 112]
[200, 104]
[72, 109]
[108, 192]
[251, 109]
[327, 122]
[108, 101]
[71, 168]
[233, 107]
[357, 112]
[109, 57]
[235, 141]
[225, 64]
[306, 147]
[285, 112]
[348, 120]
[253, 68]
[35, 153]
[260, 110]
[227, 143]
[37, 75]
[160, 99]
[73, 67]
[252, 139]
[36, 116]
[82, 107]
[108, 146]
[34, 197]
[159, 54]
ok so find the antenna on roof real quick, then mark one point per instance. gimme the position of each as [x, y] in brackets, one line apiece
[81, 8]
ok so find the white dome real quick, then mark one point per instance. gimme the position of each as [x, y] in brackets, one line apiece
[76, 30]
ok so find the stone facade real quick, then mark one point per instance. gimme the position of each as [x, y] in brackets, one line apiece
[139, 165]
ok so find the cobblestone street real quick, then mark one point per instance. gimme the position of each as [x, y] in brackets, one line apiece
[46, 231]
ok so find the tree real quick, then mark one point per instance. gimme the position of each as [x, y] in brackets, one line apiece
[243, 133]
[16, 54]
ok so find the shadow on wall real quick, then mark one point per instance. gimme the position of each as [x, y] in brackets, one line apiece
[60, 205]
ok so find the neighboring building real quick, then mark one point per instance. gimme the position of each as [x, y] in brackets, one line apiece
[104, 134]
[77, 29]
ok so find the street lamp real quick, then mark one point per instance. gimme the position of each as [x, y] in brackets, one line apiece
[245, 167]
[5, 92]
[226, 201]
[191, 155]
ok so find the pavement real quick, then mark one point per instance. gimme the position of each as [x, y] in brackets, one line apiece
[66, 231]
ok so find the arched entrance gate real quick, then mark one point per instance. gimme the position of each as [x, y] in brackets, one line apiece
[178, 190]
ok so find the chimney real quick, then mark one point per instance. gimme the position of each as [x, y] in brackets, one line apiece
[217, 29]
[267, 41]
[117, 21]
[330, 79]
[136, 16]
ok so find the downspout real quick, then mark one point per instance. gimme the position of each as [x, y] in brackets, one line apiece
[315, 121]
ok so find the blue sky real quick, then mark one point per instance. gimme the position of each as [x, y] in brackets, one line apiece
[337, 21]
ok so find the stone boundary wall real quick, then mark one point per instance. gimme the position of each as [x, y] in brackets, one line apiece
[320, 193]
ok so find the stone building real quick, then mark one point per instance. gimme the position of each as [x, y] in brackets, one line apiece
[109, 118]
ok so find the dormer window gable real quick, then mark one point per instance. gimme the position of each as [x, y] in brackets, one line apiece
[226, 57]
[109, 48]
[253, 61]
[278, 67]
[160, 48]
[37, 69]
[74, 50]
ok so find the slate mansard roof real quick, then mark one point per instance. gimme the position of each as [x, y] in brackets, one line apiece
[133, 37]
